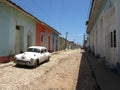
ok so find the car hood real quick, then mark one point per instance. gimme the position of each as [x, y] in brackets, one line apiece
[27, 55]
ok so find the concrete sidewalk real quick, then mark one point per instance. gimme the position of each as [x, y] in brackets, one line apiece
[107, 79]
[2, 65]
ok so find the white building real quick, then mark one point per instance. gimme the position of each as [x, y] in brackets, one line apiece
[104, 31]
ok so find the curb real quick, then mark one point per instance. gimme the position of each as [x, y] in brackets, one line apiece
[6, 64]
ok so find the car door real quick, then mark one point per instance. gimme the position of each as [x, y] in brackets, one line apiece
[42, 56]
[46, 55]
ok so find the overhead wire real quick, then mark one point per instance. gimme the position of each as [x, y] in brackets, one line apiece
[74, 38]
[62, 8]
[50, 8]
[39, 12]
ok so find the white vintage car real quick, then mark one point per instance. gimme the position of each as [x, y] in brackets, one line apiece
[33, 56]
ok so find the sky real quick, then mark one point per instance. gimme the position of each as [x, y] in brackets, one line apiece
[63, 15]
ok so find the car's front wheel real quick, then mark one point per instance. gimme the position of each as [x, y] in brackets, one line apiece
[18, 65]
[35, 64]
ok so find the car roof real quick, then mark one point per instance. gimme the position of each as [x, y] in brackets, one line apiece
[38, 47]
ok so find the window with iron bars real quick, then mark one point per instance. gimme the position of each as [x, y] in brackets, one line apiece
[113, 39]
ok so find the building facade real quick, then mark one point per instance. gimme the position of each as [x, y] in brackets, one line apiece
[19, 30]
[103, 31]
[43, 36]
[64, 44]
[47, 36]
[55, 41]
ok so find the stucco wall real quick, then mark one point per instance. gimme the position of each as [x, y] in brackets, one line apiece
[118, 20]
[100, 40]
[9, 18]
[110, 24]
[44, 32]
[27, 25]
[4, 29]
[55, 42]
[62, 43]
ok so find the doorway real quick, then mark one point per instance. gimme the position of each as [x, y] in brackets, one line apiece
[19, 39]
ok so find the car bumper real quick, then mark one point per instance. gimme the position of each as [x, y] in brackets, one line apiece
[21, 62]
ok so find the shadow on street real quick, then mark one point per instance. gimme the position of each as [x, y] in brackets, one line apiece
[86, 79]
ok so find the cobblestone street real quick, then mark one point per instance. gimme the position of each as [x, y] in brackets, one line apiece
[66, 70]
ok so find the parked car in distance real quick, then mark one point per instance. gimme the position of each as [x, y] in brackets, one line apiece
[33, 56]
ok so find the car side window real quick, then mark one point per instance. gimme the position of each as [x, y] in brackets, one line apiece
[38, 51]
[42, 51]
[45, 50]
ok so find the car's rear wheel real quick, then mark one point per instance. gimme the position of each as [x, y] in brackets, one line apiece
[48, 58]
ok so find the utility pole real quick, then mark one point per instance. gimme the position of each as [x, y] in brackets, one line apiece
[84, 41]
[66, 40]
[84, 38]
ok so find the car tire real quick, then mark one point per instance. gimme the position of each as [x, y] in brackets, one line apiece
[18, 65]
[35, 64]
[48, 59]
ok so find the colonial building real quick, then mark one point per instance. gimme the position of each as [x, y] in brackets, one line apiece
[103, 31]
[65, 44]
[55, 41]
[47, 36]
[19, 30]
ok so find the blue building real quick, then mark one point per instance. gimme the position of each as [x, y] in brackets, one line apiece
[55, 41]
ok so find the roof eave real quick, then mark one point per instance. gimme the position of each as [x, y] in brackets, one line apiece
[96, 5]
[12, 4]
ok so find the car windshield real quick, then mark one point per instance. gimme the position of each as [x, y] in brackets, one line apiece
[33, 50]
